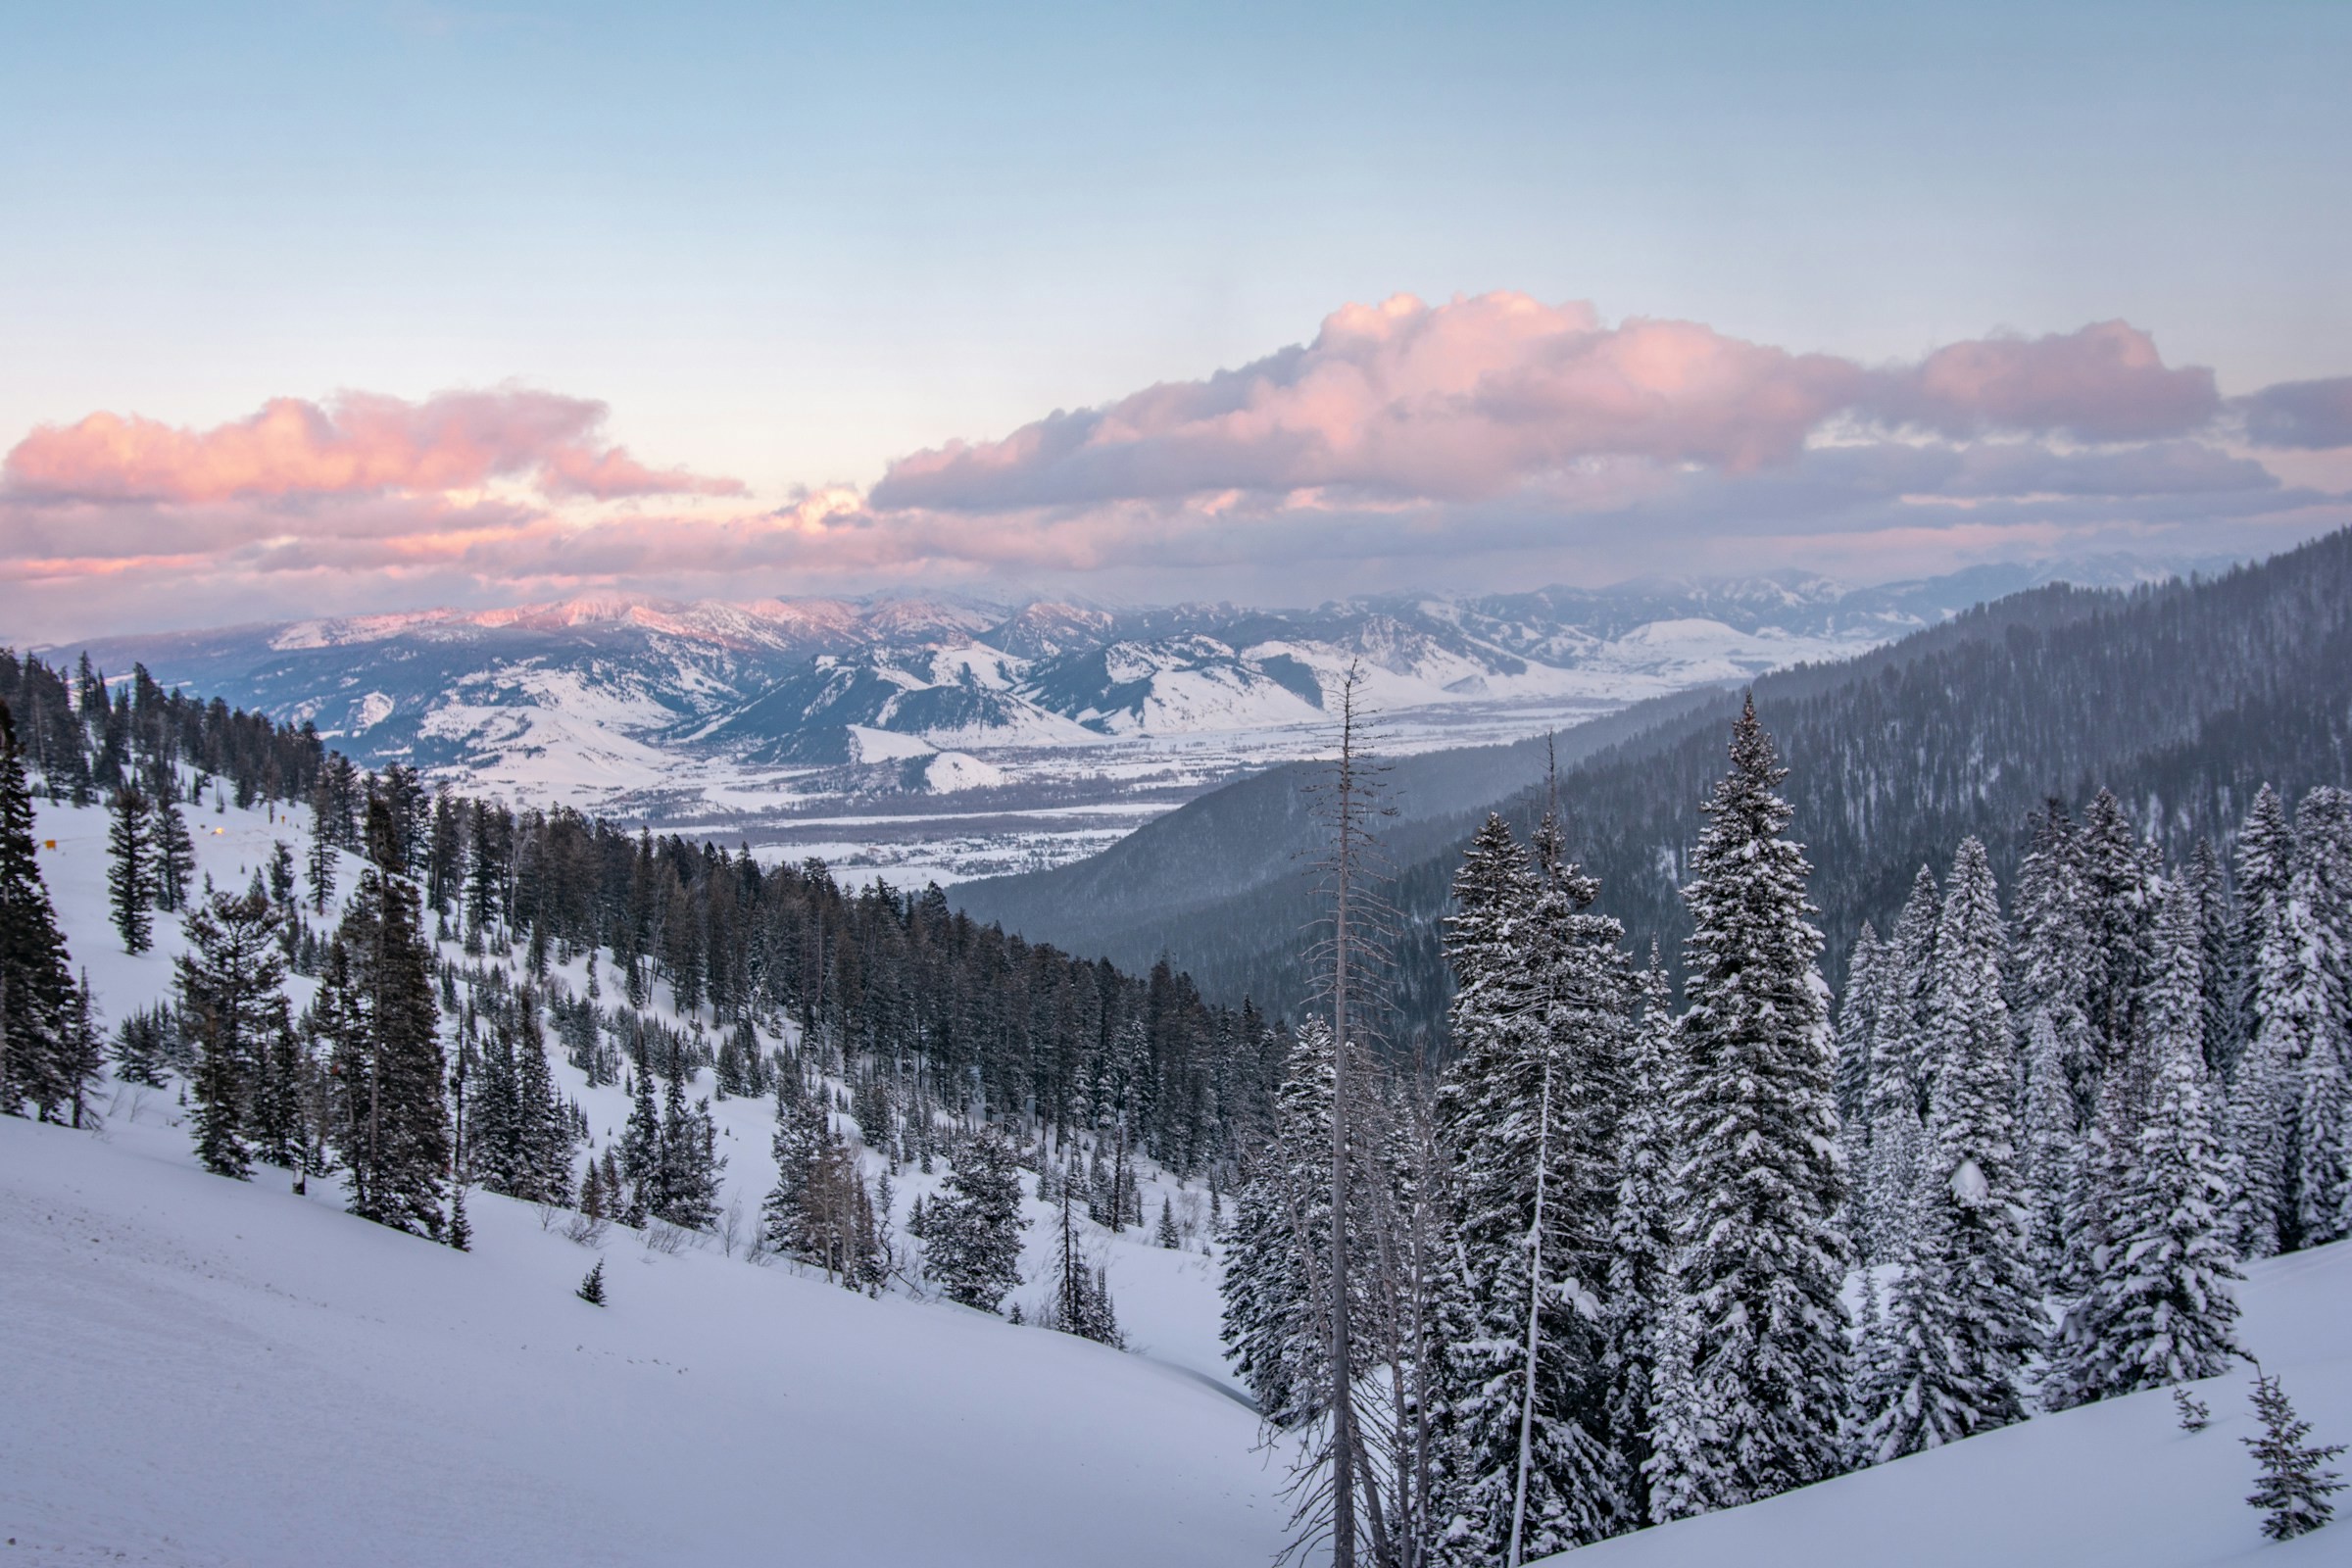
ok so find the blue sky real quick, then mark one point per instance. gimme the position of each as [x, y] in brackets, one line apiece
[792, 245]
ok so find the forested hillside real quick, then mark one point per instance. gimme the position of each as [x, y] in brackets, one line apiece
[2181, 698]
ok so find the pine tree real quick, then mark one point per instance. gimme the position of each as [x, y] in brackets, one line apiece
[1167, 1235]
[1641, 1268]
[387, 1051]
[174, 851]
[2294, 1485]
[233, 996]
[1079, 1299]
[1760, 1260]
[1273, 1325]
[1962, 1321]
[2053, 957]
[641, 1151]
[82, 1056]
[688, 1166]
[130, 878]
[36, 985]
[974, 1230]
[1857, 1025]
[2159, 1309]
[1531, 1109]
[2049, 1147]
[592, 1289]
[460, 1234]
[2319, 1169]
[324, 842]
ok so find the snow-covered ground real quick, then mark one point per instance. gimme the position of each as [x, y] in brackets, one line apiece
[202, 1371]
[2113, 1484]
[198, 1372]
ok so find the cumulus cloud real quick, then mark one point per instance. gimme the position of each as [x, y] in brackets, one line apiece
[357, 443]
[1488, 439]
[1476, 397]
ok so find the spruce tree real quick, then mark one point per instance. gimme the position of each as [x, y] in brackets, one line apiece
[2159, 1309]
[2294, 1484]
[1530, 1109]
[130, 878]
[2319, 1197]
[1963, 1320]
[1857, 1019]
[974, 1230]
[592, 1289]
[233, 997]
[386, 1048]
[2049, 1147]
[1642, 1269]
[175, 852]
[36, 985]
[1760, 1259]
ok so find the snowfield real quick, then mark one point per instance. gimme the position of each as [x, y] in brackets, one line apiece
[198, 1372]
[2113, 1484]
[206, 1372]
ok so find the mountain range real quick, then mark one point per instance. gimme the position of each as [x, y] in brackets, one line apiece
[733, 712]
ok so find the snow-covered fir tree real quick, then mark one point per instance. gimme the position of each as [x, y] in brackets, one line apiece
[1760, 1260]
[233, 1001]
[1962, 1320]
[1858, 1020]
[1642, 1264]
[131, 877]
[1530, 1109]
[2158, 1309]
[973, 1233]
[36, 986]
[379, 1016]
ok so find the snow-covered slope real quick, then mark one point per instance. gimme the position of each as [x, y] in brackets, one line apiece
[202, 1371]
[2114, 1485]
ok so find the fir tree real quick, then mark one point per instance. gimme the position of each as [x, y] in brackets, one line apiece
[2319, 1167]
[2049, 1147]
[1167, 1235]
[130, 878]
[2294, 1485]
[1858, 1020]
[641, 1151]
[1760, 1260]
[592, 1289]
[974, 1230]
[387, 1050]
[1641, 1267]
[36, 985]
[1963, 1320]
[175, 852]
[460, 1234]
[2158, 1308]
[231, 993]
[1530, 1109]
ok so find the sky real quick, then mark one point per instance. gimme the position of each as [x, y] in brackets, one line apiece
[334, 308]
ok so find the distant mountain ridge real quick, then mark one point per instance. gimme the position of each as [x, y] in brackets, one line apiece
[2183, 697]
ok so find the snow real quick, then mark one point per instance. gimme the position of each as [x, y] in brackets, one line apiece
[886, 744]
[2113, 1484]
[950, 771]
[206, 1372]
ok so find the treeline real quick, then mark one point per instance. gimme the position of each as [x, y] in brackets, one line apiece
[1587, 1274]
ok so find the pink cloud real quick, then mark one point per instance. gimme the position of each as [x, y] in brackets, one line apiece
[2105, 382]
[357, 443]
[1479, 396]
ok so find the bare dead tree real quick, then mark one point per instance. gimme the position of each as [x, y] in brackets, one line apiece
[1342, 1492]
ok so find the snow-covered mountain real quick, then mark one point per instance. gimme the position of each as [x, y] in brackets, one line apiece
[732, 715]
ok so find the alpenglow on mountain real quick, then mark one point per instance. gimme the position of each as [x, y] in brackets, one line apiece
[686, 710]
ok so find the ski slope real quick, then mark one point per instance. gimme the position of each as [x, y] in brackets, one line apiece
[200, 1371]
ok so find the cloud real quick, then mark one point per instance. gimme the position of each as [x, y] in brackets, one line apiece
[1476, 397]
[357, 443]
[2312, 416]
[2105, 382]
[1487, 440]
